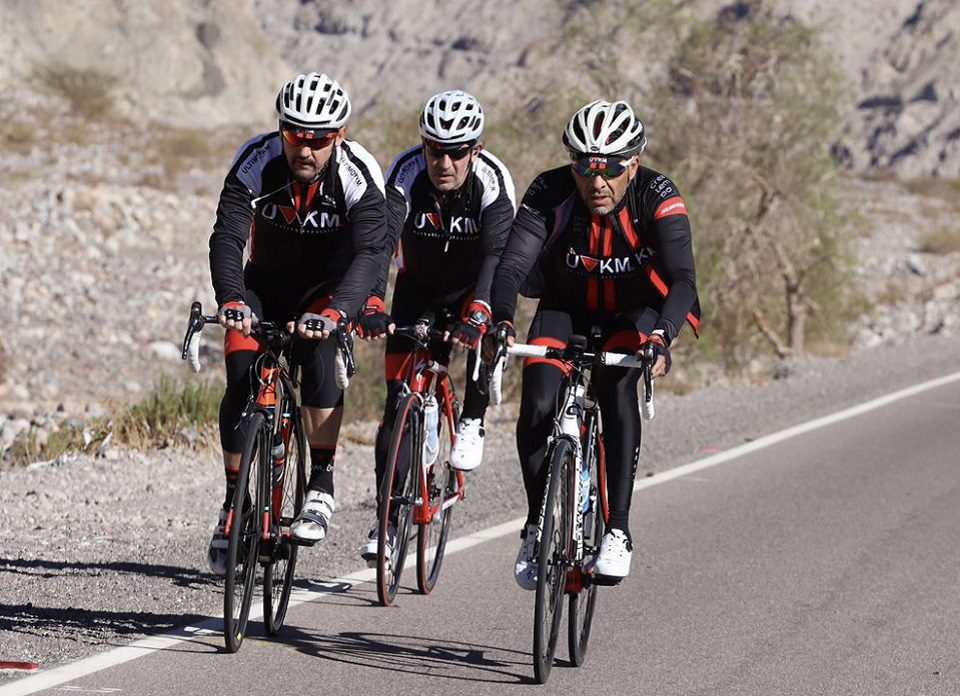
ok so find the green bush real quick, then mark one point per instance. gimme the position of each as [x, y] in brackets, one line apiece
[752, 102]
[172, 407]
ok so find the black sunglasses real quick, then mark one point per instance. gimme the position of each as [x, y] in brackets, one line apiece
[436, 151]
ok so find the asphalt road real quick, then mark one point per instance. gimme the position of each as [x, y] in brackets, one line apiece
[823, 563]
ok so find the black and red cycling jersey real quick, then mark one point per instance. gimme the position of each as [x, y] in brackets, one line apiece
[447, 243]
[638, 255]
[324, 238]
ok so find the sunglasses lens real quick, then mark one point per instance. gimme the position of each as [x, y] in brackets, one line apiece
[456, 154]
[607, 167]
[311, 139]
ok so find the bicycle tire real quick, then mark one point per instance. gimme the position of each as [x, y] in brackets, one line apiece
[243, 546]
[583, 604]
[397, 505]
[441, 482]
[551, 559]
[287, 501]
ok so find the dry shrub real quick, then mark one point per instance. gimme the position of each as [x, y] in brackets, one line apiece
[89, 91]
[943, 240]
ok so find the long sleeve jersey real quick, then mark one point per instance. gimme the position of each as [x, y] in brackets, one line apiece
[638, 255]
[327, 236]
[452, 242]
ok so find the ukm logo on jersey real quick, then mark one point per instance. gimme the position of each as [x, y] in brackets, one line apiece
[314, 221]
[609, 265]
[459, 226]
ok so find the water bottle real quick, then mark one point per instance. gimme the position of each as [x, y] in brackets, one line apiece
[277, 453]
[584, 486]
[585, 500]
[431, 441]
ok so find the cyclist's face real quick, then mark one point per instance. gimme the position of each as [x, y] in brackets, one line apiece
[448, 167]
[602, 190]
[307, 157]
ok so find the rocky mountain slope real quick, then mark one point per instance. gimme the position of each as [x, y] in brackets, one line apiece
[216, 61]
[104, 223]
[182, 62]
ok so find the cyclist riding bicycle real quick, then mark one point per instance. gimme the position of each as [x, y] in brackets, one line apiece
[311, 204]
[450, 204]
[602, 242]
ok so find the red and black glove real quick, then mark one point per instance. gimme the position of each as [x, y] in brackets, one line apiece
[327, 320]
[234, 311]
[374, 321]
[471, 328]
[495, 341]
[655, 346]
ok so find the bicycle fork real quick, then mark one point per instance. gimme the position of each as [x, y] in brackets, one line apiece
[569, 426]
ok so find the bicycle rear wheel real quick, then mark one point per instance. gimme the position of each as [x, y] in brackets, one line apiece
[243, 546]
[395, 510]
[583, 604]
[552, 559]
[441, 484]
[287, 501]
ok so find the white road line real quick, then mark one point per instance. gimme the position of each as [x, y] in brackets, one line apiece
[96, 663]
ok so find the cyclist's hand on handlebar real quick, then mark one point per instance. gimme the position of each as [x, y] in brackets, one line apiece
[237, 316]
[655, 348]
[467, 332]
[374, 323]
[318, 326]
[504, 334]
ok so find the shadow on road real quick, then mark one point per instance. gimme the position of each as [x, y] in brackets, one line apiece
[42, 568]
[414, 655]
[62, 615]
[28, 618]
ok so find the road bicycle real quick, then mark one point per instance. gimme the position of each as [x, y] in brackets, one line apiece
[574, 511]
[272, 478]
[425, 496]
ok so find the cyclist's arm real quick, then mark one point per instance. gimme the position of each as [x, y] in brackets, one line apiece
[397, 211]
[365, 211]
[673, 235]
[496, 217]
[228, 240]
[527, 237]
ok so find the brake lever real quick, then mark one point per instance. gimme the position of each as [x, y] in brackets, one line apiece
[345, 341]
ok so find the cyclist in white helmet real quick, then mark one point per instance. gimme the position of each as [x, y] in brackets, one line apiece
[310, 203]
[450, 204]
[602, 241]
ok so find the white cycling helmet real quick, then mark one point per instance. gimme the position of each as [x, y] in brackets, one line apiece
[605, 128]
[452, 118]
[313, 101]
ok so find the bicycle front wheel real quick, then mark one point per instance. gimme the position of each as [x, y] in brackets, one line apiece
[243, 546]
[583, 604]
[396, 498]
[288, 496]
[552, 559]
[441, 484]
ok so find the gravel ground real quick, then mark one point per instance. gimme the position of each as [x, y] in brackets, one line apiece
[100, 552]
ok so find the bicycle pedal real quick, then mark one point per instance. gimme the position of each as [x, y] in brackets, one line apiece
[605, 580]
[303, 542]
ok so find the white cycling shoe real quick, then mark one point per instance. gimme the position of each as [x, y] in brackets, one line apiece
[525, 570]
[613, 561]
[314, 519]
[217, 551]
[467, 451]
[368, 550]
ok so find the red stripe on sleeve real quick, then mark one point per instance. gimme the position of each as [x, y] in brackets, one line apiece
[671, 206]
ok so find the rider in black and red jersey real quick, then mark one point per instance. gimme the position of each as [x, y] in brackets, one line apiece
[602, 242]
[450, 204]
[310, 204]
